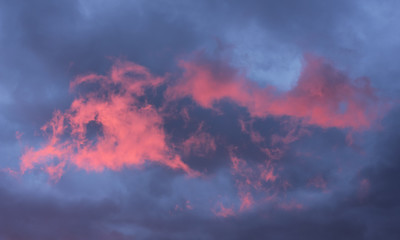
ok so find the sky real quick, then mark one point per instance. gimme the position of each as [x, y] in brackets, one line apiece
[199, 119]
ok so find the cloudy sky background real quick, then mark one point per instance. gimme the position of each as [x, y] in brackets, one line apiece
[199, 119]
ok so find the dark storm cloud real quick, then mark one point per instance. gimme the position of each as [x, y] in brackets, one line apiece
[361, 37]
[45, 44]
[302, 22]
[29, 215]
[141, 216]
[381, 196]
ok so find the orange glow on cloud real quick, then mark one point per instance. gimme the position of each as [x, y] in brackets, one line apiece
[128, 131]
[323, 95]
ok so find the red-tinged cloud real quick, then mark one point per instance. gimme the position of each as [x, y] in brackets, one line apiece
[323, 95]
[246, 201]
[199, 144]
[127, 132]
[252, 179]
[110, 124]
[318, 182]
[254, 135]
[222, 211]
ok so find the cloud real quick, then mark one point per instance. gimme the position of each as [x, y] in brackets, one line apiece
[275, 159]
[114, 122]
[200, 143]
[127, 132]
[323, 96]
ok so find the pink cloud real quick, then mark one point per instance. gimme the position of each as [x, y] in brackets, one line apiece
[200, 143]
[129, 132]
[323, 96]
[318, 182]
[222, 211]
[252, 180]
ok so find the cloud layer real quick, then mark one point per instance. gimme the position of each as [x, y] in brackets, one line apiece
[199, 120]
